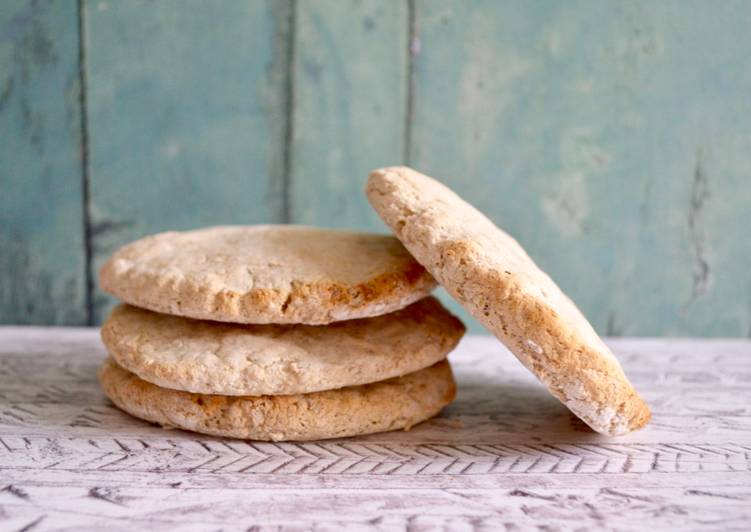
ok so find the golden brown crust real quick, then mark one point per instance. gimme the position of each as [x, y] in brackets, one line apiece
[490, 274]
[233, 359]
[266, 274]
[394, 404]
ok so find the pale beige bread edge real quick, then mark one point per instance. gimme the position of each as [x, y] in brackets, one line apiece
[490, 274]
[266, 274]
[235, 359]
[393, 404]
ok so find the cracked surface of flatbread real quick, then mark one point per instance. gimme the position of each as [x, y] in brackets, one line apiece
[266, 274]
[235, 359]
[492, 276]
[393, 404]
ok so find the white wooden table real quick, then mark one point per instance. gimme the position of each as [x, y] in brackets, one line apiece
[505, 454]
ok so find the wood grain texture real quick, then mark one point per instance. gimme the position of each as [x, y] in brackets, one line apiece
[504, 455]
[350, 98]
[186, 117]
[611, 139]
[42, 253]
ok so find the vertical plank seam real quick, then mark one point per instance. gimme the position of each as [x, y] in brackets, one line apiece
[410, 67]
[289, 94]
[85, 167]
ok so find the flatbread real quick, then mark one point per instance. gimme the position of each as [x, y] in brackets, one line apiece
[490, 274]
[233, 359]
[267, 274]
[393, 404]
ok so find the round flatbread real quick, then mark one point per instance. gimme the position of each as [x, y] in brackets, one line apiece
[233, 359]
[267, 274]
[490, 274]
[393, 404]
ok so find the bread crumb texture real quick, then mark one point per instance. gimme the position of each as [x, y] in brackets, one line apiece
[393, 404]
[235, 359]
[267, 274]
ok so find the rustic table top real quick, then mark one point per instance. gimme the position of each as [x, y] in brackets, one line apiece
[504, 454]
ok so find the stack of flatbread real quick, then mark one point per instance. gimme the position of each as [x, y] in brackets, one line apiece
[276, 333]
[298, 333]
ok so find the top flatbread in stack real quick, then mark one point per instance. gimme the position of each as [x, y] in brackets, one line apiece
[267, 274]
[490, 274]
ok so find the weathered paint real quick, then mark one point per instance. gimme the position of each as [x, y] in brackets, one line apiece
[42, 253]
[186, 117]
[350, 97]
[612, 139]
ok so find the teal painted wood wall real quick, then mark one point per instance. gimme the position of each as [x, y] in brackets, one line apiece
[613, 139]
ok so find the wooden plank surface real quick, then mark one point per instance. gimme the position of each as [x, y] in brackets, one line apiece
[187, 119]
[350, 104]
[612, 139]
[42, 250]
[504, 454]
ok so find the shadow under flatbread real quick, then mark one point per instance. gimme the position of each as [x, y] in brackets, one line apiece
[488, 411]
[477, 395]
